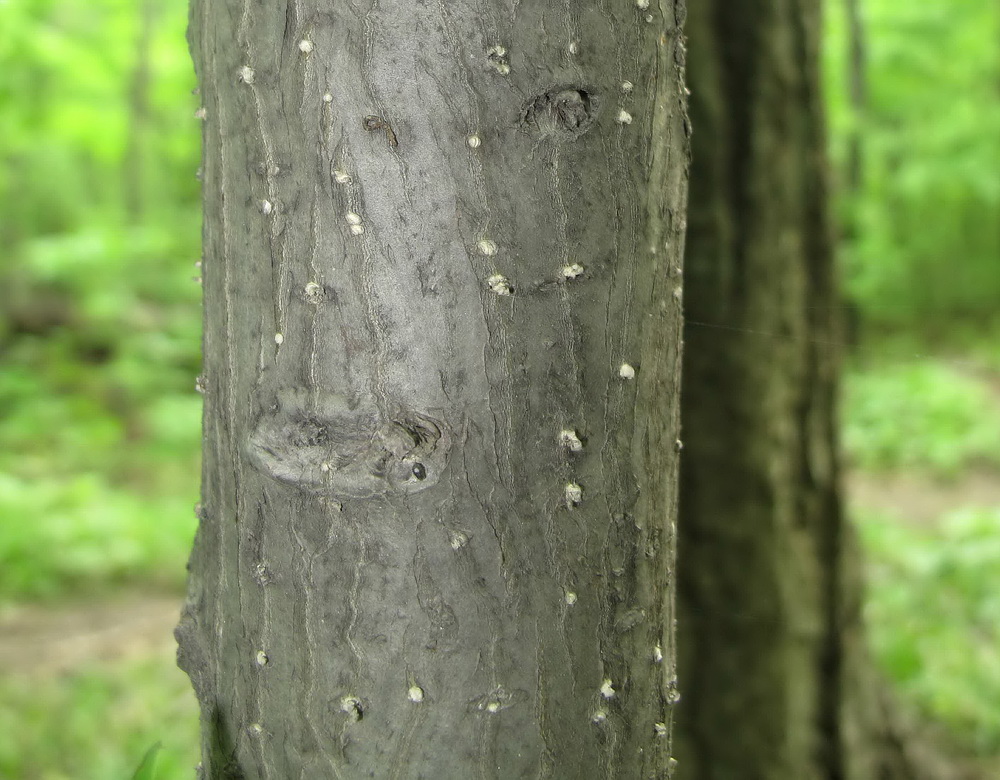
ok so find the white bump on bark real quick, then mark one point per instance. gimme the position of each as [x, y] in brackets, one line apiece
[497, 55]
[574, 47]
[305, 46]
[327, 98]
[473, 141]
[266, 207]
[599, 717]
[607, 689]
[341, 177]
[569, 440]
[570, 598]
[574, 495]
[255, 729]
[660, 729]
[649, 18]
[678, 293]
[351, 706]
[458, 540]
[643, 4]
[415, 694]
[201, 113]
[627, 86]
[678, 445]
[487, 247]
[658, 654]
[624, 117]
[493, 706]
[325, 467]
[246, 74]
[625, 371]
[354, 220]
[499, 284]
[313, 293]
[572, 271]
[199, 384]
[279, 339]
[261, 658]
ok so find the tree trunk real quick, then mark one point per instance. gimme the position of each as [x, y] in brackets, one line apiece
[771, 654]
[857, 91]
[442, 250]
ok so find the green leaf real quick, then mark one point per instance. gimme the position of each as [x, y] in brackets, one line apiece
[147, 767]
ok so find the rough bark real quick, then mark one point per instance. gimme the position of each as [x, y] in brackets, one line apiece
[442, 250]
[772, 655]
[772, 659]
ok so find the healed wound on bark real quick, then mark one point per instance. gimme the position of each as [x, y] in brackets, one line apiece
[328, 447]
[442, 327]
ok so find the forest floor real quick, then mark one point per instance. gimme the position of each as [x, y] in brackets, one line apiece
[110, 659]
[920, 499]
[45, 640]
[36, 639]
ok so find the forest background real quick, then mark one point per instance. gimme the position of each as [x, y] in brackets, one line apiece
[100, 349]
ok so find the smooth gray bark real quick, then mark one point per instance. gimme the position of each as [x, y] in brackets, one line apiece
[442, 251]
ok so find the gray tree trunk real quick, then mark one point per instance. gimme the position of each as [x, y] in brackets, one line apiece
[442, 251]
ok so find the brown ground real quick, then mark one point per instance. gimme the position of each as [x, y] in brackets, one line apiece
[922, 500]
[46, 640]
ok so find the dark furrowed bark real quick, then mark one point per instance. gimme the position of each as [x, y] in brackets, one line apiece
[769, 595]
[442, 280]
[761, 592]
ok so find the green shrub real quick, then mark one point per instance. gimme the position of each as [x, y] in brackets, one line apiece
[933, 614]
[923, 414]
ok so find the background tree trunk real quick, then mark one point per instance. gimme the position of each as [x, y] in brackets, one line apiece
[857, 90]
[772, 654]
[442, 331]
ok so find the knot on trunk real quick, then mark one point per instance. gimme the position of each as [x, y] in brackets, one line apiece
[326, 445]
[561, 113]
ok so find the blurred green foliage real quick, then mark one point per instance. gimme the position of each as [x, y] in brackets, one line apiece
[100, 339]
[923, 415]
[100, 325]
[921, 243]
[932, 615]
[97, 723]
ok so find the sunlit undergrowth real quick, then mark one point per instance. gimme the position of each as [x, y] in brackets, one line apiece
[99, 722]
[933, 614]
[922, 414]
[99, 466]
